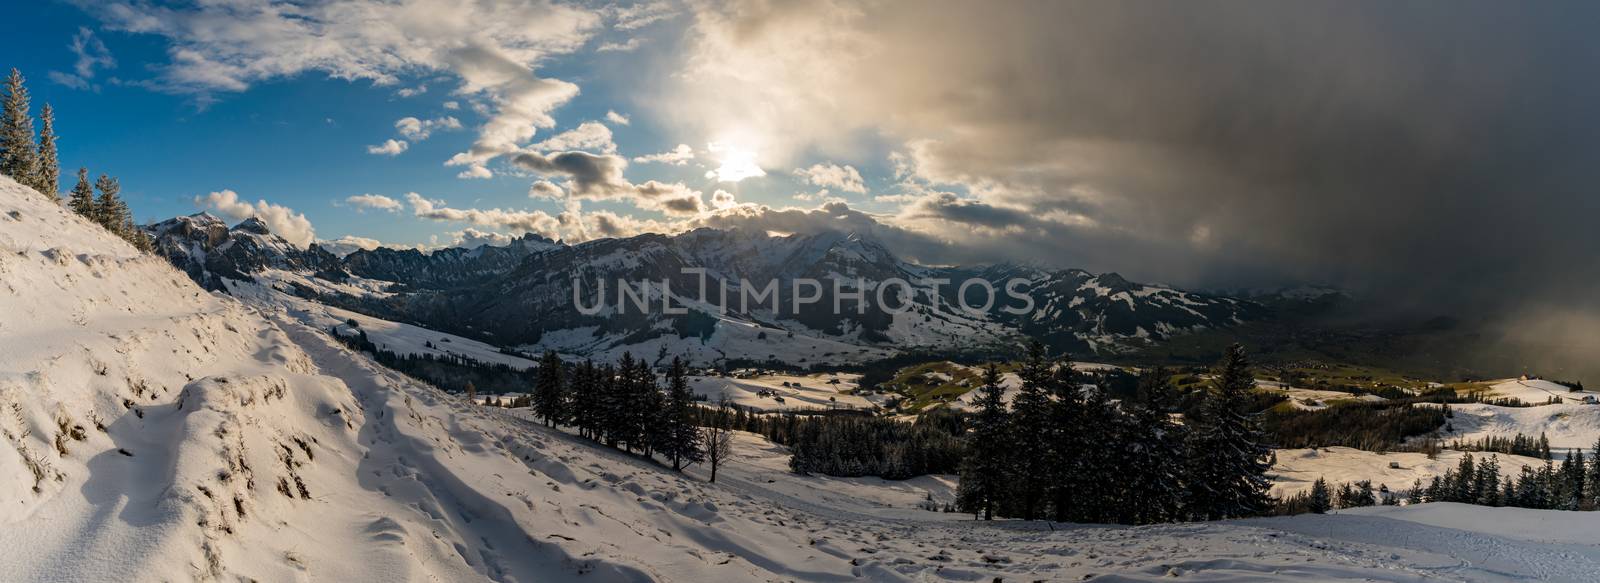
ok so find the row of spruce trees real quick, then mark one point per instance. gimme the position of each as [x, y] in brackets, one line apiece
[1071, 454]
[32, 161]
[622, 406]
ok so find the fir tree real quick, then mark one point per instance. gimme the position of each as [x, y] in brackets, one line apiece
[1486, 485]
[1227, 460]
[1320, 500]
[1031, 434]
[18, 158]
[983, 471]
[1071, 428]
[585, 400]
[549, 393]
[1593, 478]
[680, 438]
[82, 199]
[48, 173]
[1152, 466]
[109, 210]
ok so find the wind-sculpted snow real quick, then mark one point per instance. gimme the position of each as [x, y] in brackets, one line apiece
[157, 432]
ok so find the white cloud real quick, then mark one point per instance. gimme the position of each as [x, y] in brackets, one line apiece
[546, 190]
[471, 238]
[492, 48]
[722, 199]
[589, 135]
[91, 54]
[412, 91]
[640, 15]
[678, 156]
[452, 105]
[388, 148]
[373, 201]
[418, 130]
[844, 178]
[475, 172]
[283, 221]
[350, 244]
[519, 221]
[616, 118]
[626, 46]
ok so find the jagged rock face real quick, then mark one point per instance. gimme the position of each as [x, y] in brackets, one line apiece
[444, 268]
[522, 294]
[206, 249]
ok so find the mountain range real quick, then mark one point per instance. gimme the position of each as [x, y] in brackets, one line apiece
[522, 295]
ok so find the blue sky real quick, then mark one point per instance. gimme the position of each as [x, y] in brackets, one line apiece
[299, 139]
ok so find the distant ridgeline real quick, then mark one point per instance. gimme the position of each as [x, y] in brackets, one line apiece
[523, 294]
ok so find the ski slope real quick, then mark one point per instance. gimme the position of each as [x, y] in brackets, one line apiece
[156, 432]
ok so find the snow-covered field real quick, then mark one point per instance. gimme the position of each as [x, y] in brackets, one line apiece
[1298, 468]
[1568, 425]
[155, 432]
[782, 392]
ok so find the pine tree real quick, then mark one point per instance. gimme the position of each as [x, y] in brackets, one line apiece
[82, 199]
[983, 471]
[47, 178]
[1031, 435]
[1486, 485]
[549, 393]
[681, 439]
[109, 209]
[1593, 478]
[585, 399]
[1320, 501]
[1227, 460]
[18, 158]
[1070, 429]
[1152, 466]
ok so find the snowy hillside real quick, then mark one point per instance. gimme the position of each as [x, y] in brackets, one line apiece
[157, 432]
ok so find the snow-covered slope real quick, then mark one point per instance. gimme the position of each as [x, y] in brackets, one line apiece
[156, 432]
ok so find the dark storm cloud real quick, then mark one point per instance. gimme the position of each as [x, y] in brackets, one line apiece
[1441, 155]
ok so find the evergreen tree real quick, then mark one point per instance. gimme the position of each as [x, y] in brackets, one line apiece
[1486, 486]
[109, 210]
[983, 478]
[1227, 460]
[82, 199]
[609, 420]
[681, 439]
[18, 158]
[47, 177]
[1593, 478]
[1321, 502]
[1152, 465]
[1069, 432]
[1031, 435]
[586, 399]
[549, 393]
